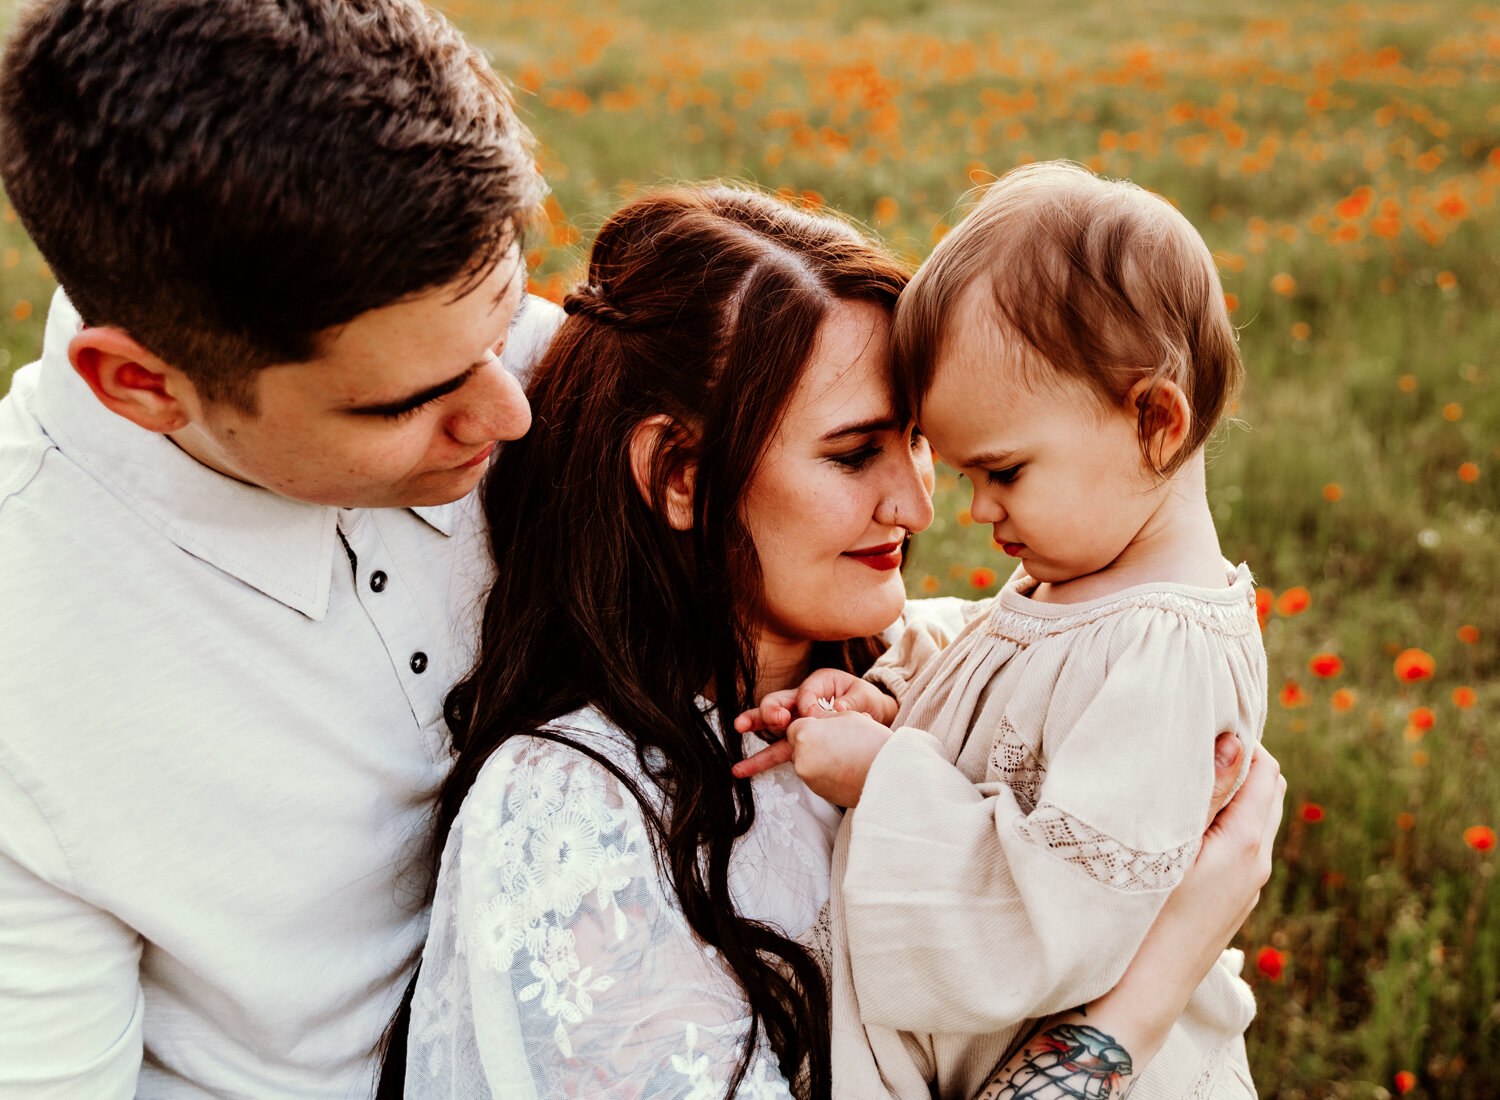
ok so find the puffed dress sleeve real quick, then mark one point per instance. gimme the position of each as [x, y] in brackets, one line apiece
[971, 907]
[557, 963]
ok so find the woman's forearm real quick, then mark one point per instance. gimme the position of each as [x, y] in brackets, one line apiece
[1068, 1056]
[1106, 1042]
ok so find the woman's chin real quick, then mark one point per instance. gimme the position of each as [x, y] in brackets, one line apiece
[872, 615]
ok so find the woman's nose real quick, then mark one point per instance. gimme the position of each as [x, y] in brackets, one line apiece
[908, 501]
[494, 407]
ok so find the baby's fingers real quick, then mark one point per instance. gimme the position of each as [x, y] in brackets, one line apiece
[767, 758]
[774, 713]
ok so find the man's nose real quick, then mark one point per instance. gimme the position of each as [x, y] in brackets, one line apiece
[494, 408]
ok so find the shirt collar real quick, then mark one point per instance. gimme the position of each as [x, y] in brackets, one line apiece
[282, 547]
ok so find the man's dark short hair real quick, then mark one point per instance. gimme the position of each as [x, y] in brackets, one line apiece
[227, 179]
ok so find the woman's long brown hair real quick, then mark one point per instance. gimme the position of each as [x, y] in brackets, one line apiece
[702, 305]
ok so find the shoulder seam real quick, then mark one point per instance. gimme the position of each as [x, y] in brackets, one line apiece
[24, 473]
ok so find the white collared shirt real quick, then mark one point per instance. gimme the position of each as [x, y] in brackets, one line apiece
[220, 727]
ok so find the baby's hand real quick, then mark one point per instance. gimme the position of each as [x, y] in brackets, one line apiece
[833, 756]
[825, 693]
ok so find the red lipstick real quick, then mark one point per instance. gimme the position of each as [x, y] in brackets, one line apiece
[886, 556]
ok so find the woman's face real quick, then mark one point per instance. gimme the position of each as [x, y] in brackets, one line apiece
[840, 486]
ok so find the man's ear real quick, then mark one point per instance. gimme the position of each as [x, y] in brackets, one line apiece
[1168, 417]
[651, 444]
[130, 381]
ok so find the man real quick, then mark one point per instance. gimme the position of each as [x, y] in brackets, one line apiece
[239, 557]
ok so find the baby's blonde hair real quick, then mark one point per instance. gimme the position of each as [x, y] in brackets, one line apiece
[1094, 279]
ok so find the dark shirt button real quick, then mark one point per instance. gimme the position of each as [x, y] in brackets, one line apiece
[419, 662]
[377, 581]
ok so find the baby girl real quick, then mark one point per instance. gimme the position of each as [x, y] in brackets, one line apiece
[1031, 784]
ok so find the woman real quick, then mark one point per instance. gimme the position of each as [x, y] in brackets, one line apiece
[714, 498]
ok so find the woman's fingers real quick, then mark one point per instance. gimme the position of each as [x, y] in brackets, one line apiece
[1253, 816]
[1228, 752]
[767, 758]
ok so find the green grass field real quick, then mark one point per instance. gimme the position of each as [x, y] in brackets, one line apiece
[1344, 164]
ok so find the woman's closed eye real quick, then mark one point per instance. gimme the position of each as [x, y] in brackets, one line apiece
[858, 458]
[1002, 477]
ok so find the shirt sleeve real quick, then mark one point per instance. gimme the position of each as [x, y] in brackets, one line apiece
[1012, 908]
[70, 995]
[558, 964]
[536, 322]
[925, 629]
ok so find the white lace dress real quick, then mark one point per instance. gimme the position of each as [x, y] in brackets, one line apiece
[559, 962]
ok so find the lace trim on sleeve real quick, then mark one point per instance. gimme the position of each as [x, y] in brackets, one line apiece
[1015, 763]
[1101, 856]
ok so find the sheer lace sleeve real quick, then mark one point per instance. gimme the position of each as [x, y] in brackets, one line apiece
[557, 963]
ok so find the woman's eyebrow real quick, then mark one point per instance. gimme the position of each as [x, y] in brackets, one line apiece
[864, 427]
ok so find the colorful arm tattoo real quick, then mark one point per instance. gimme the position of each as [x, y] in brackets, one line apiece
[1066, 1062]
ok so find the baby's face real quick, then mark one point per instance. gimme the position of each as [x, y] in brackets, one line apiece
[1057, 472]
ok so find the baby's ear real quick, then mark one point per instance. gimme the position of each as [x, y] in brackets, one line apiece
[664, 473]
[1165, 417]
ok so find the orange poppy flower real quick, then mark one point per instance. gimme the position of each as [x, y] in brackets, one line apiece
[1343, 700]
[1293, 601]
[982, 577]
[1325, 666]
[1413, 665]
[1264, 600]
[1422, 718]
[1464, 697]
[1405, 1081]
[1480, 837]
[1468, 634]
[1292, 695]
[1271, 963]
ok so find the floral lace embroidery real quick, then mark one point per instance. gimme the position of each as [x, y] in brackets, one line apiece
[1015, 763]
[773, 804]
[1101, 856]
[695, 1067]
[548, 850]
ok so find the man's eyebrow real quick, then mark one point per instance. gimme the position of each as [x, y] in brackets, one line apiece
[864, 427]
[415, 400]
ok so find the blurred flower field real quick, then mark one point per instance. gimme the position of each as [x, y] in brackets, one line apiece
[1344, 164]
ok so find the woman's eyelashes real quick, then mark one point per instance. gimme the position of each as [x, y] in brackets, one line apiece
[867, 452]
[858, 458]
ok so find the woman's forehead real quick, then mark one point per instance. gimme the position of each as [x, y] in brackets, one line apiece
[848, 374]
